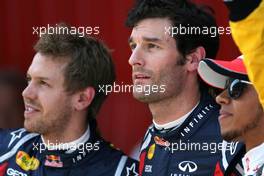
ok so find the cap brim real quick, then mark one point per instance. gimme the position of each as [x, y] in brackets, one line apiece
[216, 73]
[211, 77]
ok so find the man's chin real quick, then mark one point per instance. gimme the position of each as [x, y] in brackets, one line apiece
[143, 98]
[147, 97]
[31, 126]
[232, 136]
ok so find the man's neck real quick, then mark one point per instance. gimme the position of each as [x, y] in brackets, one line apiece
[173, 108]
[63, 136]
[254, 137]
[72, 131]
[69, 145]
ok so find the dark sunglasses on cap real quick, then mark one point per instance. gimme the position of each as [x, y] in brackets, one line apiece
[235, 87]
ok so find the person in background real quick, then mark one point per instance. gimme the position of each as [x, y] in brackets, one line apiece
[11, 102]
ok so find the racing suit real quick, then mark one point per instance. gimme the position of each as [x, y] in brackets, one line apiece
[22, 154]
[253, 161]
[193, 148]
[247, 25]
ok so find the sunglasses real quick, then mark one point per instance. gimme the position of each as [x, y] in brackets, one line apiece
[235, 87]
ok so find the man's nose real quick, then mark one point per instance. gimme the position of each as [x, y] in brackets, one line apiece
[29, 92]
[223, 98]
[137, 57]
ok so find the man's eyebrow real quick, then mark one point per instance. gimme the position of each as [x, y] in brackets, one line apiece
[147, 39]
[152, 39]
[43, 78]
[39, 77]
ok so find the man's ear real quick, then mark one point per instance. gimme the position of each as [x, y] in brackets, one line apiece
[84, 98]
[194, 58]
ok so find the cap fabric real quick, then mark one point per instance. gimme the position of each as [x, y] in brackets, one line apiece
[217, 72]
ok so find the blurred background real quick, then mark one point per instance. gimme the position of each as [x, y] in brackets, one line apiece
[122, 120]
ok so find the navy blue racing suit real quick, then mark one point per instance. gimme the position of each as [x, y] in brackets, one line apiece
[194, 148]
[22, 154]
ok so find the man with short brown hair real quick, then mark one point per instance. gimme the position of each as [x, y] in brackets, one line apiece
[61, 102]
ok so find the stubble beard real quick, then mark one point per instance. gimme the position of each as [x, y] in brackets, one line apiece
[50, 123]
[235, 135]
[171, 89]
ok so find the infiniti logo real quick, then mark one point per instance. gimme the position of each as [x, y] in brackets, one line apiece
[188, 166]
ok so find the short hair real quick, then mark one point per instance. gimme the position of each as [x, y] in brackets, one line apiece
[89, 63]
[179, 12]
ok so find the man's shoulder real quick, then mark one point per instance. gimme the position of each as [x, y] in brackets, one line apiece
[9, 136]
[231, 158]
[114, 153]
[206, 114]
[202, 124]
[109, 159]
[13, 138]
[260, 171]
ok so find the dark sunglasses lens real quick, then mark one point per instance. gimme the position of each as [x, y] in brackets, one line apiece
[236, 89]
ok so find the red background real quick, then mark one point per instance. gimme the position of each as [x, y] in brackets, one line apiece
[122, 119]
